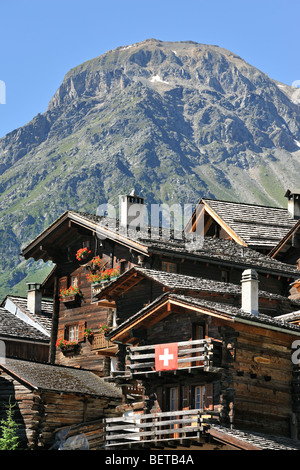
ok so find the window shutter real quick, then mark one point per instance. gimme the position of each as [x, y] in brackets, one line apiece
[63, 282]
[61, 333]
[81, 328]
[209, 396]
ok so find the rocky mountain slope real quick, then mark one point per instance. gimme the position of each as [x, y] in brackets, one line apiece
[175, 120]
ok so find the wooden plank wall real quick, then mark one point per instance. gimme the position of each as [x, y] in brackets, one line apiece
[26, 408]
[261, 377]
[39, 414]
[27, 350]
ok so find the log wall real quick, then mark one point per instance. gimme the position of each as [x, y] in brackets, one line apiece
[40, 413]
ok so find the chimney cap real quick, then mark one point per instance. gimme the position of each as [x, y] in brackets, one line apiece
[33, 285]
[294, 192]
[249, 274]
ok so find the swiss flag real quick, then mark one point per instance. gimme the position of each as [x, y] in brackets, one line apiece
[166, 356]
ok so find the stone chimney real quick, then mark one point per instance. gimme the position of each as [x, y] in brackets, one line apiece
[34, 297]
[132, 211]
[293, 203]
[250, 291]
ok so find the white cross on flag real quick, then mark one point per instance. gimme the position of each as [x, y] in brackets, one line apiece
[166, 356]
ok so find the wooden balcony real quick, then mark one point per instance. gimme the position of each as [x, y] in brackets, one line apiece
[147, 430]
[101, 345]
[193, 355]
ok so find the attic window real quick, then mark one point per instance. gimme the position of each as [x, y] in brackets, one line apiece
[224, 275]
[169, 267]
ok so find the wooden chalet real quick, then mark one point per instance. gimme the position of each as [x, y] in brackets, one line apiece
[51, 401]
[261, 228]
[206, 364]
[25, 325]
[74, 317]
[170, 288]
[288, 248]
[20, 339]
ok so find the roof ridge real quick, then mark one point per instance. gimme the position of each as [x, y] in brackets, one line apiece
[242, 203]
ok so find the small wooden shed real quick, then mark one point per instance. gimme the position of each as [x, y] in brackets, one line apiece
[50, 397]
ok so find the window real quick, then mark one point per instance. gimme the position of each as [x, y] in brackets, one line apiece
[169, 267]
[199, 397]
[72, 333]
[74, 281]
[113, 311]
[224, 276]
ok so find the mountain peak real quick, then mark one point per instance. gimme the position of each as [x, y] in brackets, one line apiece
[177, 120]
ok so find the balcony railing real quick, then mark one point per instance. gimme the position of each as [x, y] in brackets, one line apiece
[100, 343]
[194, 354]
[142, 430]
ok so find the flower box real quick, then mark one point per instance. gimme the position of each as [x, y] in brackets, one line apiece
[70, 299]
[70, 296]
[103, 276]
[68, 348]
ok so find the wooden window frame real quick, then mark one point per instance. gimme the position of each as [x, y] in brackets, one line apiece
[75, 335]
[76, 279]
[166, 265]
[201, 389]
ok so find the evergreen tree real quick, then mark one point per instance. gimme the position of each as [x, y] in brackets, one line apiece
[8, 427]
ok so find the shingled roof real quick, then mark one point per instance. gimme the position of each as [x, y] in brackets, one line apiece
[18, 305]
[42, 376]
[207, 248]
[159, 240]
[256, 225]
[211, 249]
[12, 327]
[182, 283]
[248, 440]
[224, 310]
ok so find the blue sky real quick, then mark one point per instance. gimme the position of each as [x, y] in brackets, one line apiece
[42, 40]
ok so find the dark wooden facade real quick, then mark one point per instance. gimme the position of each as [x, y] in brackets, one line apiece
[47, 398]
[21, 340]
[248, 381]
[218, 260]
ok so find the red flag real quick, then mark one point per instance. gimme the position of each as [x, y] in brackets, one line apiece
[166, 356]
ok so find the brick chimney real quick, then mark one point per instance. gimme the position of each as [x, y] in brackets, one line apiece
[293, 203]
[34, 297]
[250, 291]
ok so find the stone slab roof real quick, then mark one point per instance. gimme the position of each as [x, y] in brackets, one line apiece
[43, 319]
[12, 326]
[182, 282]
[60, 378]
[209, 248]
[259, 226]
[236, 312]
[217, 307]
[255, 440]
